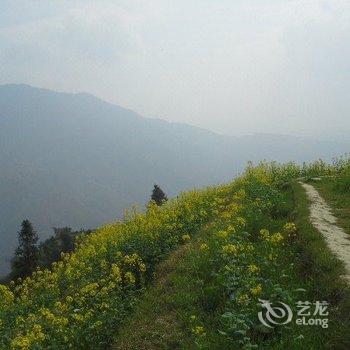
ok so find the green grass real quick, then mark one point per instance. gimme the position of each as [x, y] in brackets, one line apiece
[155, 323]
[337, 198]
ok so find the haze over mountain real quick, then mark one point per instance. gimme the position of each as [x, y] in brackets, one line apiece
[75, 160]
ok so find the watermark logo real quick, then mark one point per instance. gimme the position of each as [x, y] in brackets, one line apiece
[274, 315]
[307, 314]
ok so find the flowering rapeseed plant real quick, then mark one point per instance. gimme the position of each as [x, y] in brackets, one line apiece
[186, 238]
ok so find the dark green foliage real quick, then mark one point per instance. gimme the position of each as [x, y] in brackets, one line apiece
[63, 241]
[26, 254]
[158, 196]
[342, 182]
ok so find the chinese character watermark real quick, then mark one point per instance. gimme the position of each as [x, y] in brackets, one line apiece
[308, 313]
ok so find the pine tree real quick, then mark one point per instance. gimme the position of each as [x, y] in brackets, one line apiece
[26, 254]
[158, 196]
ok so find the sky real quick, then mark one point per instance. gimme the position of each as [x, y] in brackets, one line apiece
[231, 66]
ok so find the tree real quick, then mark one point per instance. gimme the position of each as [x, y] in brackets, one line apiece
[26, 254]
[158, 196]
[49, 251]
[63, 241]
[66, 237]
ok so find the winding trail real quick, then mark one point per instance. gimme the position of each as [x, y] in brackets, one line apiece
[324, 221]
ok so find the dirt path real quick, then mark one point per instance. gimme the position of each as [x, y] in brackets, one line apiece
[325, 222]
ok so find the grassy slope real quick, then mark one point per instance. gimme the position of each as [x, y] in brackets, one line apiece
[162, 317]
[155, 323]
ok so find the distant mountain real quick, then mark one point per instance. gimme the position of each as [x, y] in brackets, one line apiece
[75, 160]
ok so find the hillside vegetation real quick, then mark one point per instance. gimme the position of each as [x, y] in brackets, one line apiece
[238, 243]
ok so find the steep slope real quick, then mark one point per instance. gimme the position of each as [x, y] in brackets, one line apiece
[74, 160]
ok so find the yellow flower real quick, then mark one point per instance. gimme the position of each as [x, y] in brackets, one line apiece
[276, 238]
[231, 229]
[90, 289]
[256, 290]
[129, 278]
[253, 268]
[240, 221]
[265, 234]
[97, 324]
[116, 272]
[111, 285]
[104, 306]
[272, 257]
[24, 342]
[248, 248]
[58, 305]
[78, 317]
[131, 259]
[243, 299]
[39, 335]
[222, 234]
[198, 330]
[186, 238]
[6, 296]
[290, 228]
[229, 249]
[103, 264]
[20, 342]
[204, 247]
[142, 267]
[234, 207]
[19, 320]
[49, 316]
[225, 215]
[239, 194]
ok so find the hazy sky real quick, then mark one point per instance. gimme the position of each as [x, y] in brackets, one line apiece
[230, 66]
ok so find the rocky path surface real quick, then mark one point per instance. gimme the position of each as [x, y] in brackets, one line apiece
[325, 222]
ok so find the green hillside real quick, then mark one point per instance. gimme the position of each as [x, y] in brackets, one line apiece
[190, 274]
